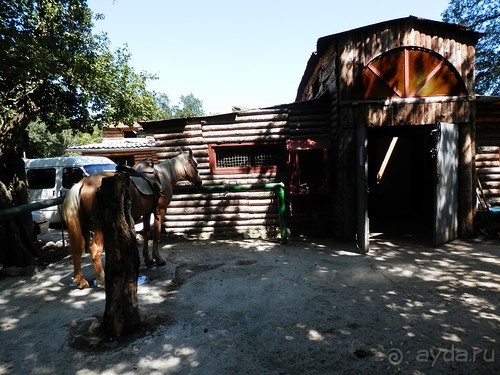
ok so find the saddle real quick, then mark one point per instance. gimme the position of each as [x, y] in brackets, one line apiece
[145, 179]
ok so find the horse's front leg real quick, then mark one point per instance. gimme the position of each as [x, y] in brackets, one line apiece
[146, 222]
[95, 249]
[159, 217]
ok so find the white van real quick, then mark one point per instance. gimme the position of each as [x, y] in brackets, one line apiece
[52, 177]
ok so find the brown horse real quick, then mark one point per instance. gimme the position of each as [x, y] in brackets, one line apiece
[80, 208]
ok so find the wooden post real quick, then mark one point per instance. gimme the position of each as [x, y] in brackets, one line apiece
[121, 314]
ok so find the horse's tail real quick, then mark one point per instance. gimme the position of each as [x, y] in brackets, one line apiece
[71, 216]
[71, 204]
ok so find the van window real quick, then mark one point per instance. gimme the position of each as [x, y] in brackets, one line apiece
[71, 176]
[94, 168]
[41, 178]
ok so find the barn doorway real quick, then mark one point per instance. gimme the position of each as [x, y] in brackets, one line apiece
[401, 181]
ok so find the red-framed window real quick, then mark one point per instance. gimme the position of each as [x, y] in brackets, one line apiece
[242, 158]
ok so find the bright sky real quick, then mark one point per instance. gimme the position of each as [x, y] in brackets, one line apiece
[246, 53]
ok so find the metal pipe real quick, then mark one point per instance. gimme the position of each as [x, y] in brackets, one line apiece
[12, 211]
[279, 187]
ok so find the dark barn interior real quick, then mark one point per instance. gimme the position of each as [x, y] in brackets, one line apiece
[401, 181]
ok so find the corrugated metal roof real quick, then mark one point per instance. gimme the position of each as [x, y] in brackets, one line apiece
[117, 144]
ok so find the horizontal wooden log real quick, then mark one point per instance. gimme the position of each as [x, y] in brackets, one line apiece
[198, 154]
[220, 229]
[487, 156]
[185, 134]
[243, 139]
[491, 184]
[305, 133]
[490, 192]
[215, 223]
[488, 177]
[304, 117]
[490, 149]
[489, 170]
[218, 209]
[244, 132]
[244, 126]
[240, 217]
[487, 163]
[222, 202]
[494, 201]
[308, 125]
[261, 111]
[223, 179]
[251, 194]
[181, 142]
[262, 117]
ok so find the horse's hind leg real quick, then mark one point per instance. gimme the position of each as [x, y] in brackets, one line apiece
[156, 237]
[76, 245]
[95, 249]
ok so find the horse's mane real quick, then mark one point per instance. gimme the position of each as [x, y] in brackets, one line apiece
[172, 168]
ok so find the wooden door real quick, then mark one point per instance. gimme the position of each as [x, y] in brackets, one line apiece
[446, 191]
[362, 220]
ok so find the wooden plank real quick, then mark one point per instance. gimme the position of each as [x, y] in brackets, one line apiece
[190, 134]
[180, 142]
[221, 228]
[241, 217]
[489, 149]
[222, 202]
[215, 223]
[487, 156]
[253, 138]
[487, 163]
[244, 126]
[245, 132]
[219, 209]
[233, 195]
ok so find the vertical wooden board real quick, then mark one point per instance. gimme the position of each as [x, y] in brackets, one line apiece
[428, 41]
[347, 56]
[458, 60]
[440, 46]
[452, 54]
[470, 66]
[446, 48]
[385, 41]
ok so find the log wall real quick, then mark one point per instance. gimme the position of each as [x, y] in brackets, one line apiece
[488, 147]
[252, 212]
[488, 172]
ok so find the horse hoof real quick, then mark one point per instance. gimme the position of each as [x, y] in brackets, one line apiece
[161, 263]
[83, 284]
[149, 263]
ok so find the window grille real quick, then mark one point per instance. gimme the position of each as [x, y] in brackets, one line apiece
[245, 158]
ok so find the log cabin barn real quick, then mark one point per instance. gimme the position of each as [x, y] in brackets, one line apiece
[380, 139]
[250, 147]
[402, 99]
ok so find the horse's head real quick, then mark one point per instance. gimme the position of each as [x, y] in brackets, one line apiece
[191, 168]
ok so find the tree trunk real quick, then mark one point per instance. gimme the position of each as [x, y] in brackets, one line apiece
[17, 247]
[121, 315]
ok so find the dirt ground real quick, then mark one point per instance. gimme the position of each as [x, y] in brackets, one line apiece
[259, 307]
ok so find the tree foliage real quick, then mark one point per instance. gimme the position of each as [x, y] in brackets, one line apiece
[189, 106]
[482, 16]
[54, 70]
[41, 143]
[55, 74]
